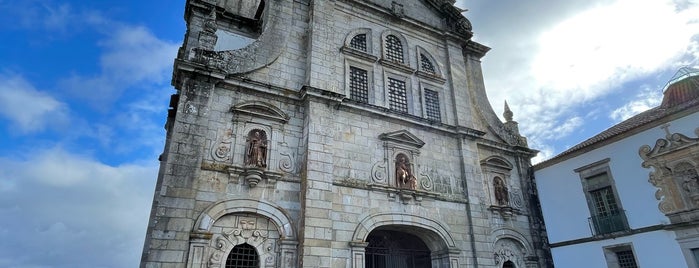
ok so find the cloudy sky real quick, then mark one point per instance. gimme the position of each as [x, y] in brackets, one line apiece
[84, 87]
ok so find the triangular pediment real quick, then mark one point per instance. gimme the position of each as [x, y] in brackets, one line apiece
[261, 109]
[402, 137]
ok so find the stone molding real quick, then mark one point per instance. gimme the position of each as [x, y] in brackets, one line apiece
[677, 195]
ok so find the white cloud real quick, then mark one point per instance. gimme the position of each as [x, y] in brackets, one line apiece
[71, 204]
[132, 56]
[27, 108]
[550, 66]
[644, 100]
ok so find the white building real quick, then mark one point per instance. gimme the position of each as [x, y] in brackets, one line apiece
[627, 197]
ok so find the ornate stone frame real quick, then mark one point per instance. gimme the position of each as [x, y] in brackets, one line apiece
[204, 251]
[257, 115]
[497, 166]
[435, 233]
[663, 158]
[511, 245]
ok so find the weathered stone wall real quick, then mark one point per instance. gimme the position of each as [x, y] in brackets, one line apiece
[329, 177]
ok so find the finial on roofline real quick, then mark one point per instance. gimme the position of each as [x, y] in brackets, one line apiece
[508, 113]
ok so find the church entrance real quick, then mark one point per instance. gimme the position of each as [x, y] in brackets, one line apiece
[395, 249]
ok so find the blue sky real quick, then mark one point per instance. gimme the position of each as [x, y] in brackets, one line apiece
[84, 88]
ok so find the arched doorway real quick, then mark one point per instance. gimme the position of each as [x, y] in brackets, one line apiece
[396, 249]
[508, 264]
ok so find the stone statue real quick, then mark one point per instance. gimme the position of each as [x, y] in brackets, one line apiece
[256, 154]
[501, 194]
[404, 176]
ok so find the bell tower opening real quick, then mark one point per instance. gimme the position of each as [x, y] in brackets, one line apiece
[389, 249]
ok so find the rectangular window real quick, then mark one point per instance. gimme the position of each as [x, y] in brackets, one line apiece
[620, 256]
[432, 105]
[359, 85]
[606, 212]
[626, 259]
[607, 217]
[695, 253]
[397, 97]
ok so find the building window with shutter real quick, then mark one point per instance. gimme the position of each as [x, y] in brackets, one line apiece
[606, 213]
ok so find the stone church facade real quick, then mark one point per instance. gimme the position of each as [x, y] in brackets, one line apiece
[338, 133]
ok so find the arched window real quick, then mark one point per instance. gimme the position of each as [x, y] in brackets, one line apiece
[359, 42]
[394, 49]
[426, 65]
[243, 256]
[508, 264]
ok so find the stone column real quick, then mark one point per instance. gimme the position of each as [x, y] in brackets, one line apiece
[358, 254]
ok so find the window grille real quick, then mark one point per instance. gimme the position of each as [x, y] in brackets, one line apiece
[426, 64]
[626, 259]
[242, 256]
[359, 42]
[359, 85]
[392, 249]
[397, 98]
[394, 49]
[432, 105]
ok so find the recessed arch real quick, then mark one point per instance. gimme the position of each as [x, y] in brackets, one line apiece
[498, 162]
[269, 210]
[437, 238]
[505, 233]
[261, 109]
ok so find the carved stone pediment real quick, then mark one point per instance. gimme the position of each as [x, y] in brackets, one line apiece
[675, 142]
[675, 163]
[402, 137]
[497, 163]
[262, 110]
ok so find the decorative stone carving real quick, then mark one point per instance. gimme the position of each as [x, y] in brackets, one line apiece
[378, 173]
[256, 152]
[674, 162]
[397, 9]
[404, 174]
[508, 250]
[287, 163]
[221, 151]
[502, 196]
[516, 199]
[208, 37]
[262, 52]
[253, 230]
[426, 181]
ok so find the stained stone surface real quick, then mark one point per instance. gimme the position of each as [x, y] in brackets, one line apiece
[329, 179]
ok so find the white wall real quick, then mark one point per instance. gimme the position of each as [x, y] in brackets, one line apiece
[653, 249]
[563, 201]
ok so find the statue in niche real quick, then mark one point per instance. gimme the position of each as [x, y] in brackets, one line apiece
[501, 194]
[256, 154]
[404, 175]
